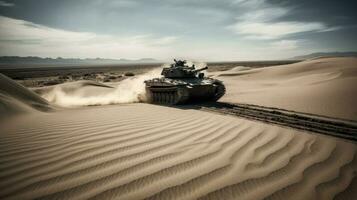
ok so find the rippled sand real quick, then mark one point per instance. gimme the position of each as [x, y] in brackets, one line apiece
[143, 151]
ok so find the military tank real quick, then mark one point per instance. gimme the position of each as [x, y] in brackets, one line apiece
[182, 84]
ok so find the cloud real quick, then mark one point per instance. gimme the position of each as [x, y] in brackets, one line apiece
[264, 21]
[34, 39]
[267, 30]
[6, 4]
[23, 38]
[200, 29]
[13, 29]
[285, 44]
[263, 14]
[116, 3]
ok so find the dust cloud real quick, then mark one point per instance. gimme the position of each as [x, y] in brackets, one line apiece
[88, 93]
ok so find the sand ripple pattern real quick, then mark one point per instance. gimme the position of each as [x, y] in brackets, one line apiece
[151, 152]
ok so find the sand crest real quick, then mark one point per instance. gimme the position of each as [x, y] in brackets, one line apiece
[14, 98]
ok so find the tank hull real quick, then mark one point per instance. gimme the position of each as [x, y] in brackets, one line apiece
[173, 92]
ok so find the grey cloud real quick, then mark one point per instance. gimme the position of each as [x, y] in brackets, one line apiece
[201, 23]
[336, 13]
[6, 4]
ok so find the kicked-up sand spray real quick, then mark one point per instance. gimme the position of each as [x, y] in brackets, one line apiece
[87, 93]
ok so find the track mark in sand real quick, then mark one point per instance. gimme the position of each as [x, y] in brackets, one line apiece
[346, 129]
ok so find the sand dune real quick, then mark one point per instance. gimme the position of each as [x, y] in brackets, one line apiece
[15, 98]
[325, 86]
[144, 151]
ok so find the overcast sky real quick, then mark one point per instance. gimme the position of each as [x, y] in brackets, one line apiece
[207, 30]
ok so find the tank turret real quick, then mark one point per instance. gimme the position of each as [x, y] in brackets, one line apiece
[181, 70]
[181, 84]
[179, 63]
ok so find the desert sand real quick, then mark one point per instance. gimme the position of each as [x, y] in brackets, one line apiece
[138, 150]
[325, 86]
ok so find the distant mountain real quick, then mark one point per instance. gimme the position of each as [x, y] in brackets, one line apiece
[33, 61]
[325, 54]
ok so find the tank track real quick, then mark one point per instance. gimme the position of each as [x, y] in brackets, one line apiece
[166, 96]
[336, 127]
[220, 91]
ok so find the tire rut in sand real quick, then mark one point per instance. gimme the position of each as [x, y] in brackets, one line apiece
[336, 127]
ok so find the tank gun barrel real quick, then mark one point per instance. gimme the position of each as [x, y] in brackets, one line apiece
[198, 70]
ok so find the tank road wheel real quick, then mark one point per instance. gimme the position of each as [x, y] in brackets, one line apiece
[219, 91]
[157, 97]
[161, 97]
[168, 99]
[182, 96]
[164, 97]
[153, 96]
[172, 97]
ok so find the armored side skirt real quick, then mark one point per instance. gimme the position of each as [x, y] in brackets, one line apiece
[184, 94]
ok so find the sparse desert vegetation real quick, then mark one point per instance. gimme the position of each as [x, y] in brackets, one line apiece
[45, 76]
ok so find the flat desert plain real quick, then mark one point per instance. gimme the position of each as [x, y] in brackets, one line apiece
[54, 146]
